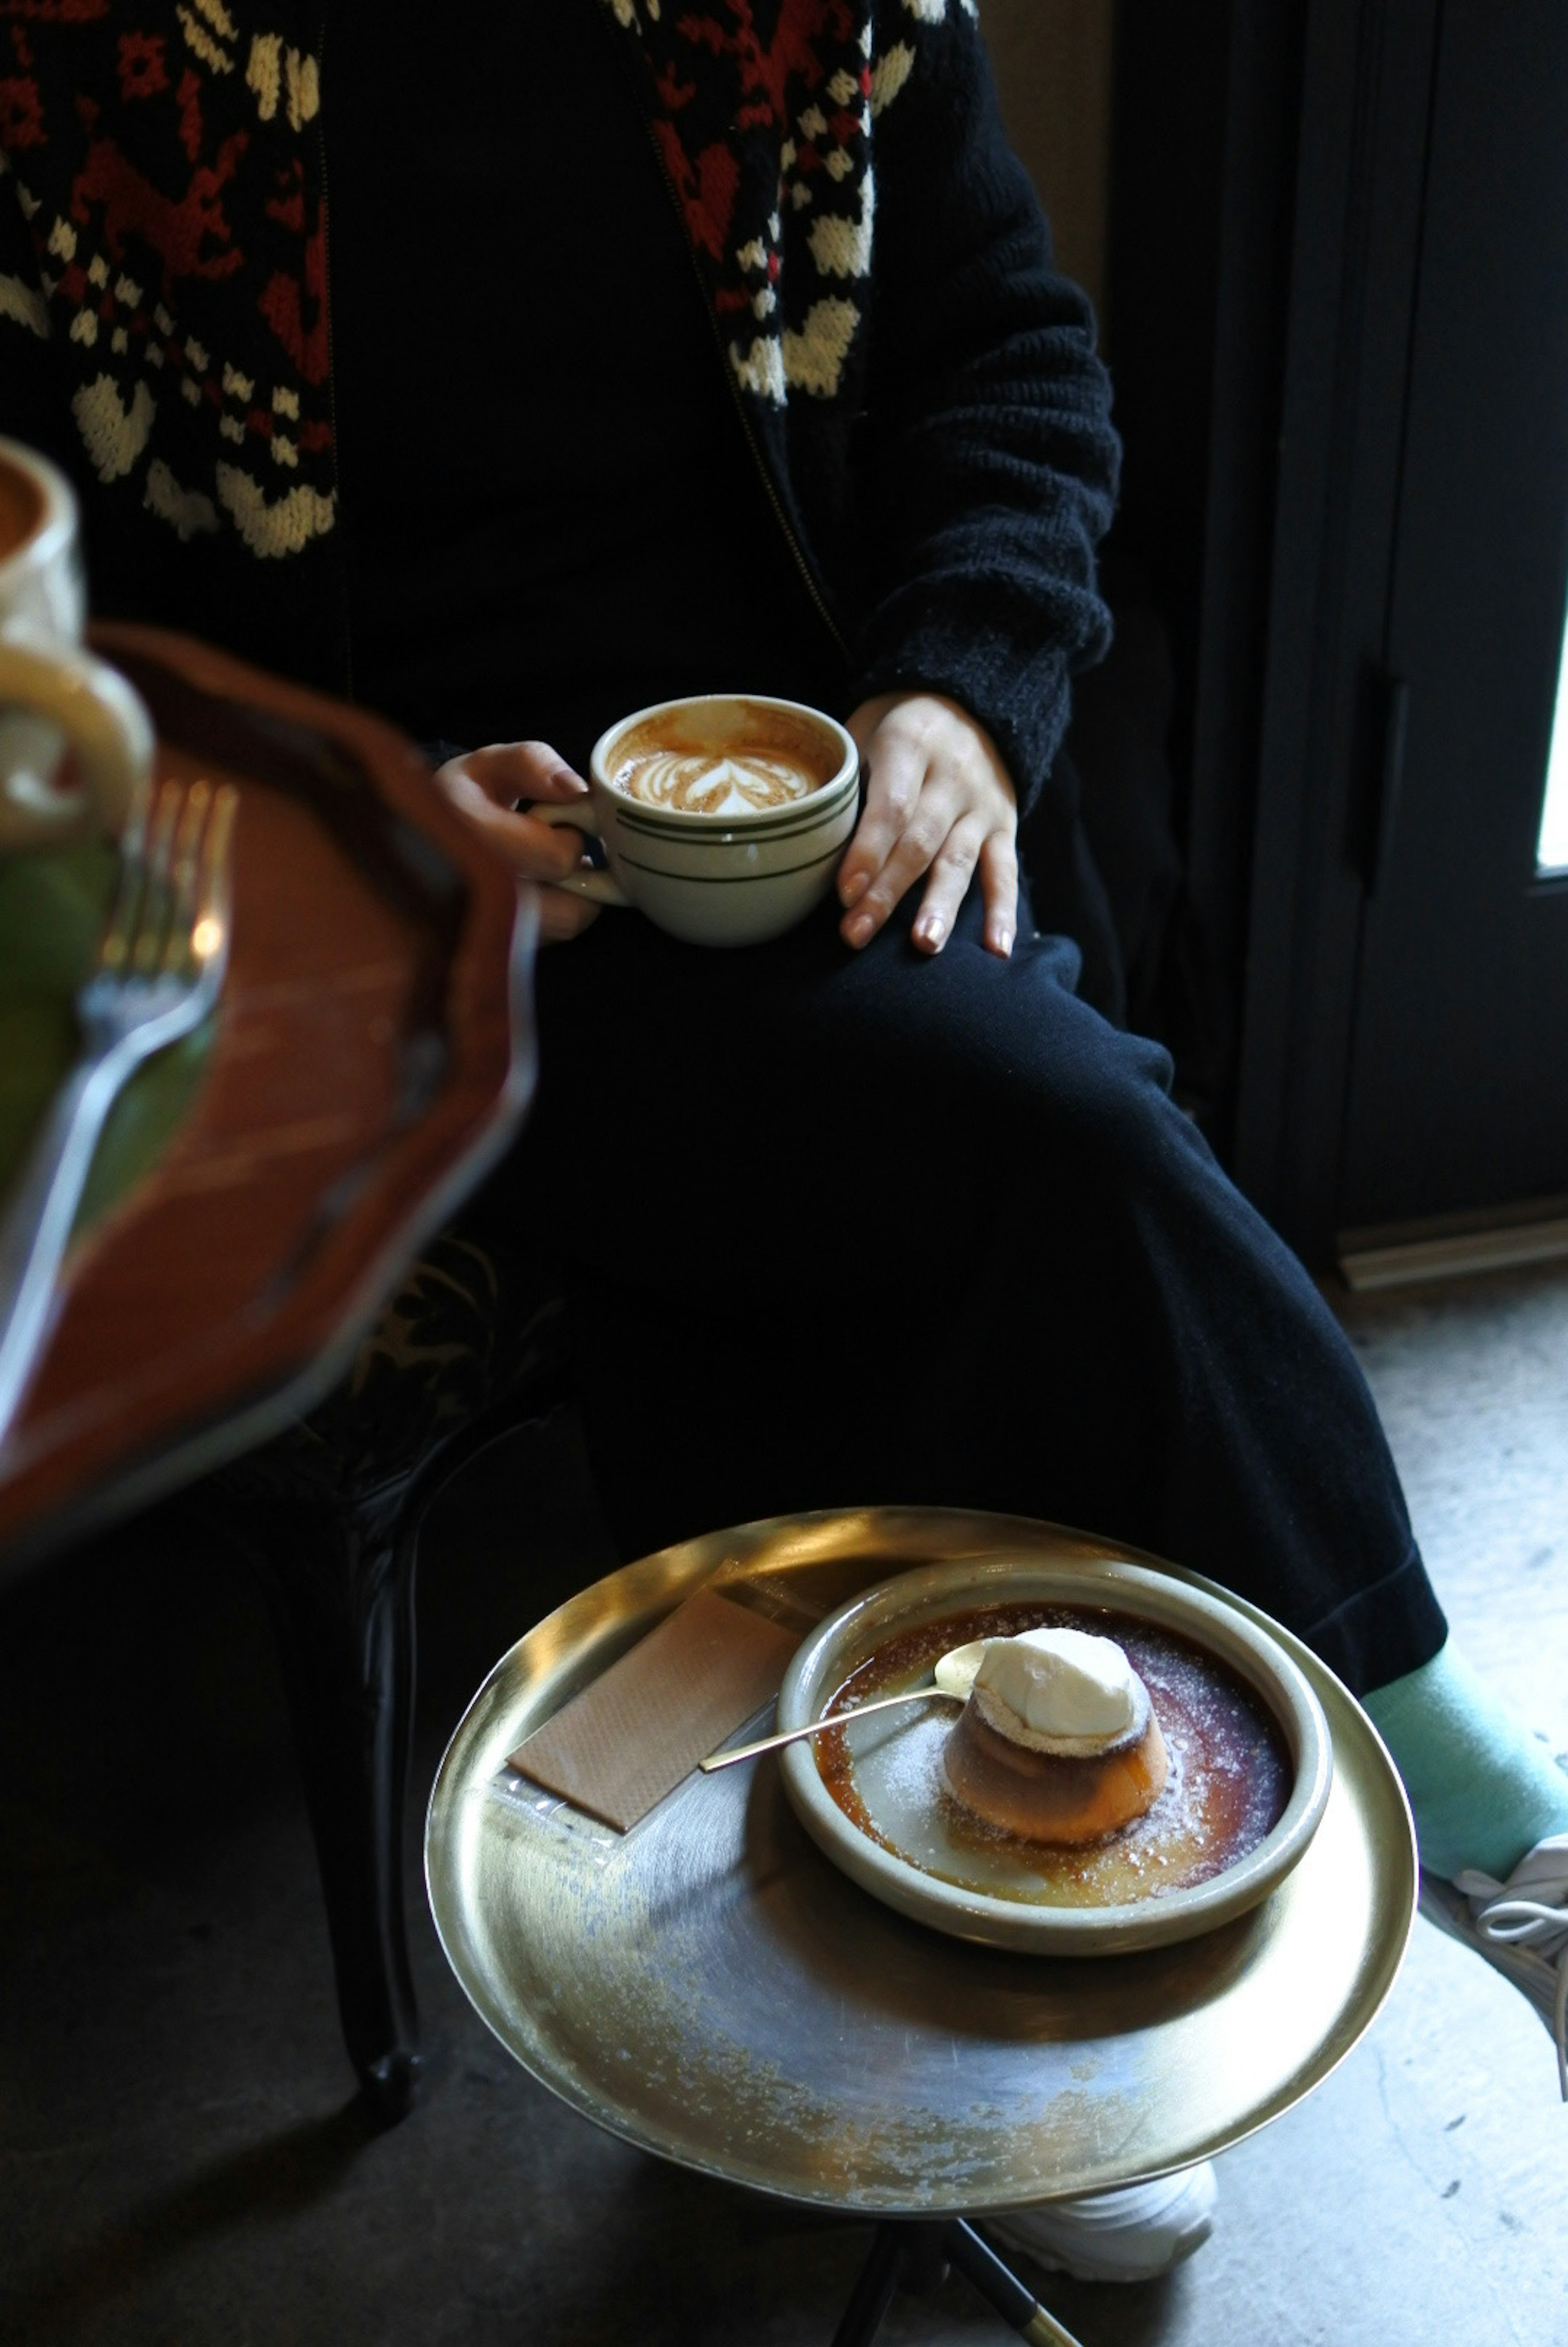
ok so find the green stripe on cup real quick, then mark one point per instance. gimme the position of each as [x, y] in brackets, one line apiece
[730, 879]
[632, 816]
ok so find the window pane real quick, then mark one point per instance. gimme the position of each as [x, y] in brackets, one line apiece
[1552, 848]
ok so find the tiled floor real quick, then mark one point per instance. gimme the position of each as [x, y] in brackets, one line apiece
[179, 2161]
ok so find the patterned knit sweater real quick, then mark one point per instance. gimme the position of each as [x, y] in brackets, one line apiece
[920, 388]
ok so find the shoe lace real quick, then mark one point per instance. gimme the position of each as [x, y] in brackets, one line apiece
[1514, 1922]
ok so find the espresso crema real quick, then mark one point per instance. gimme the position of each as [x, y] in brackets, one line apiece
[732, 781]
[21, 508]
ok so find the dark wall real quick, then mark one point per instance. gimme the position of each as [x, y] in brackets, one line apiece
[1206, 105]
[1053, 60]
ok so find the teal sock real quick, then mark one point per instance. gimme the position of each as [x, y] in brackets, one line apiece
[1482, 1789]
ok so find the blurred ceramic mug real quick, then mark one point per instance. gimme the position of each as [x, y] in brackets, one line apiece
[723, 816]
[53, 695]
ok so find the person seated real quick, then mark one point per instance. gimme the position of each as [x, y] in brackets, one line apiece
[646, 351]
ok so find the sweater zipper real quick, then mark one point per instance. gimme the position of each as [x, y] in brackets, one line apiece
[331, 366]
[790, 537]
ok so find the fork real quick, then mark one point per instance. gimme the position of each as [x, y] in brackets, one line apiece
[157, 975]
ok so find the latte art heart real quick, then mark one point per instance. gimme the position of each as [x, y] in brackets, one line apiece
[737, 782]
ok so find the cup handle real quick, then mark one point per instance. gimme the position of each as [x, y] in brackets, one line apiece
[105, 723]
[578, 815]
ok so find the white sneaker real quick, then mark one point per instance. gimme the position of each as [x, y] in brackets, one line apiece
[1127, 2236]
[1520, 1926]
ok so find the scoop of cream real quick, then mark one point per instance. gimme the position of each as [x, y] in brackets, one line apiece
[1058, 1682]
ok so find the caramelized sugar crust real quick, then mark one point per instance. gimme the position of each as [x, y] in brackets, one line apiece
[1229, 1773]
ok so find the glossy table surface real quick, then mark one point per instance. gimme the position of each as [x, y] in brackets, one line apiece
[261, 1188]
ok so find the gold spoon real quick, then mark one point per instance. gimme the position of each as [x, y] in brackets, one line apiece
[834, 1719]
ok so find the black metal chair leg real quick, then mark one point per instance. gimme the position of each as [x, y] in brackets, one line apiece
[872, 2293]
[976, 2260]
[346, 1642]
[918, 2253]
[338, 1567]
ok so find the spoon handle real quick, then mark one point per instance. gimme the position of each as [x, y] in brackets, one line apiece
[814, 1727]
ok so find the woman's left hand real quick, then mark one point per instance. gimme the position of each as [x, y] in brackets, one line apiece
[940, 801]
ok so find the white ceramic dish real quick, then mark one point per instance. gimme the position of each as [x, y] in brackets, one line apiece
[848, 1637]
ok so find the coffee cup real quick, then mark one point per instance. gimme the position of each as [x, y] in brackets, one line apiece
[723, 816]
[54, 696]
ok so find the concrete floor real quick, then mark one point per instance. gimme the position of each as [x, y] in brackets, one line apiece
[179, 2159]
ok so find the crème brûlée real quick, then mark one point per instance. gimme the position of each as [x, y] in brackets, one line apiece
[1057, 1741]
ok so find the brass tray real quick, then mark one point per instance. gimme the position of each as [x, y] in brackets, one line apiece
[709, 1987]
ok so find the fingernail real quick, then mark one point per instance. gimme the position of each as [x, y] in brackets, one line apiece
[931, 931]
[852, 890]
[1004, 942]
[859, 929]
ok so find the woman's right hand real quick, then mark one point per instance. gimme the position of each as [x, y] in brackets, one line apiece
[485, 785]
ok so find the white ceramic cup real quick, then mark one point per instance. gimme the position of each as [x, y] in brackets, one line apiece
[730, 879]
[52, 693]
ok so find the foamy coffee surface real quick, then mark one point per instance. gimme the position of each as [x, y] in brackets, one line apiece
[693, 769]
[737, 783]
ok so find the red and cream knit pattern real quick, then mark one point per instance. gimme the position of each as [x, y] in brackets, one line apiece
[161, 158]
[163, 224]
[764, 118]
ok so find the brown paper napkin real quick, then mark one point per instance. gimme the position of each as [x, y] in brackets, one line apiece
[628, 1739]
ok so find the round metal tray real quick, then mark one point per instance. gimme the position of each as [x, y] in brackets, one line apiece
[896, 1794]
[709, 1987]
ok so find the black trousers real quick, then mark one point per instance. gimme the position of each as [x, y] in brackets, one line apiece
[842, 1230]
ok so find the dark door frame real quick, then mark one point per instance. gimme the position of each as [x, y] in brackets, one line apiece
[1267, 183]
[1351, 258]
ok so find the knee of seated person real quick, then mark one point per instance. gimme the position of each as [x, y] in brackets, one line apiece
[1113, 1091]
[1122, 1154]
[1091, 1124]
[1022, 1023]
[1032, 1066]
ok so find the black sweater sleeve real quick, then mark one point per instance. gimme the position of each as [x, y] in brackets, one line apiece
[986, 464]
